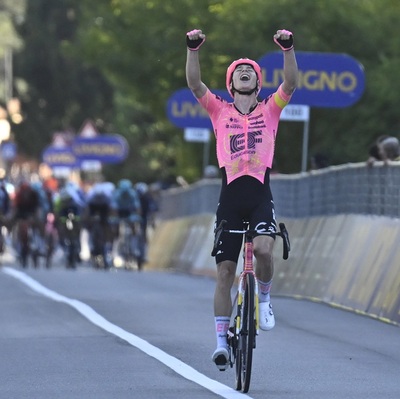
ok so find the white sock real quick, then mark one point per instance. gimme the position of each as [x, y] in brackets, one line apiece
[221, 328]
[264, 291]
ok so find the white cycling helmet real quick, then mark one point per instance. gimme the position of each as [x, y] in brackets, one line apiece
[142, 187]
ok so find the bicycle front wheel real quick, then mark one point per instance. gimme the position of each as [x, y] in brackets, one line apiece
[246, 336]
[234, 343]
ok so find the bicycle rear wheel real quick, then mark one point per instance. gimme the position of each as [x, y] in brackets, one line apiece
[244, 357]
[97, 250]
[72, 255]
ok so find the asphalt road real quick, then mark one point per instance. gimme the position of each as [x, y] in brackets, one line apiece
[100, 335]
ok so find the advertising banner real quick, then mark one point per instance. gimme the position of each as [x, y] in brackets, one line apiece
[326, 80]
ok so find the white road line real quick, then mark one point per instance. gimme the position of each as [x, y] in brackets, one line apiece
[173, 363]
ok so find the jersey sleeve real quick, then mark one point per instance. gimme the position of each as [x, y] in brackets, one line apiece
[281, 98]
[211, 103]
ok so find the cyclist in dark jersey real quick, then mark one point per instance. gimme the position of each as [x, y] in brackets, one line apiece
[245, 132]
[26, 202]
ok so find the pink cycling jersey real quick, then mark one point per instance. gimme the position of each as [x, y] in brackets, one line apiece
[245, 143]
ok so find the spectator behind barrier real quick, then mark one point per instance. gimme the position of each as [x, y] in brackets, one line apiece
[390, 149]
[374, 150]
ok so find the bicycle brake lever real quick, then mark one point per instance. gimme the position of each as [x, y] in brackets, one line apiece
[218, 231]
[286, 242]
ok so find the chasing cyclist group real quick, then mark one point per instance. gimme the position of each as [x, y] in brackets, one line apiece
[45, 207]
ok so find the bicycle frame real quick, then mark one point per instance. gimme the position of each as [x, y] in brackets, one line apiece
[99, 237]
[248, 267]
[126, 237]
[71, 238]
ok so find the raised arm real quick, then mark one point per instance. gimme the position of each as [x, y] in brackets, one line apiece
[194, 40]
[284, 39]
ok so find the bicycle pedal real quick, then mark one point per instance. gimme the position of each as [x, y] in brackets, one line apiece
[221, 363]
[221, 359]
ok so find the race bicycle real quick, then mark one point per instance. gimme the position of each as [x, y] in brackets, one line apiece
[130, 245]
[28, 241]
[126, 244]
[3, 233]
[101, 245]
[50, 238]
[244, 325]
[70, 230]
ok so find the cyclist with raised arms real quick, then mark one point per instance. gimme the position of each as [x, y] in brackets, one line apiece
[245, 132]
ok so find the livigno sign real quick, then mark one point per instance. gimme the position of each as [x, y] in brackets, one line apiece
[326, 80]
[107, 148]
[60, 157]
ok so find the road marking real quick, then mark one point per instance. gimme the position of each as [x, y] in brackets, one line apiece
[173, 363]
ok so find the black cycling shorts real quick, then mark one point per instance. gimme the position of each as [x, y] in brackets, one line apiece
[244, 200]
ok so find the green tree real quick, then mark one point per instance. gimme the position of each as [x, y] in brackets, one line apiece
[62, 90]
[134, 52]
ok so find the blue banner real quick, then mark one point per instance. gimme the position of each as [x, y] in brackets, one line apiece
[8, 150]
[326, 80]
[185, 111]
[60, 157]
[106, 148]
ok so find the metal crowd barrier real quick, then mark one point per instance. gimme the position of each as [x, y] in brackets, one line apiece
[345, 189]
